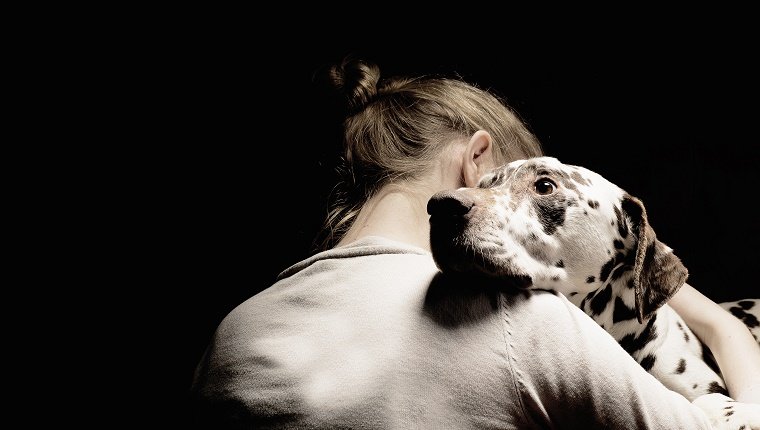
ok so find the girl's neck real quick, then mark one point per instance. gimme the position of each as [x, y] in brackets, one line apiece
[394, 213]
[398, 211]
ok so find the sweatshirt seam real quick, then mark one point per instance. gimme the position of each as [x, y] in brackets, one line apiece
[510, 358]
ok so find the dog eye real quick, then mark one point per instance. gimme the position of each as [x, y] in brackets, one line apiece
[544, 186]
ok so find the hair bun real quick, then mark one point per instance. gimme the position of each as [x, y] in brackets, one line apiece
[356, 80]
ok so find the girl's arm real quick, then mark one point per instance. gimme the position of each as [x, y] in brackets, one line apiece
[733, 346]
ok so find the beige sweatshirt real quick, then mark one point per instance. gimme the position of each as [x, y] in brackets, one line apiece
[372, 336]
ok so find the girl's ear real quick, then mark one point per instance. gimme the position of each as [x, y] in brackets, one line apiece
[478, 158]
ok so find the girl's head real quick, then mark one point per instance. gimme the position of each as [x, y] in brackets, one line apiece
[398, 128]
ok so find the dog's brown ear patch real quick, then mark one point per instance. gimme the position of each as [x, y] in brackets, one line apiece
[657, 272]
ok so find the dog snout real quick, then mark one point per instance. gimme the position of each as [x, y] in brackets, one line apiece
[450, 203]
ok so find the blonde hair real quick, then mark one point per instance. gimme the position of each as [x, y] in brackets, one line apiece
[398, 127]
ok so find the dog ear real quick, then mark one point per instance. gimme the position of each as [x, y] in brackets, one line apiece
[657, 272]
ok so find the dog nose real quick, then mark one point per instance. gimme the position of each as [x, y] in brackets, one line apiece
[450, 203]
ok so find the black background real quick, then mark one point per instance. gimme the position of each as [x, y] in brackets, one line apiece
[245, 144]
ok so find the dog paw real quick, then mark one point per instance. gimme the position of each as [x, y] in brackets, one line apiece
[726, 413]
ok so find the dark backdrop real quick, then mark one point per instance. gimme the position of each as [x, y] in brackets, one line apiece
[248, 145]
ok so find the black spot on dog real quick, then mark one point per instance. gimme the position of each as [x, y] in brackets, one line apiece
[622, 312]
[570, 185]
[550, 212]
[709, 358]
[573, 293]
[601, 299]
[746, 304]
[543, 170]
[618, 244]
[590, 279]
[606, 269]
[555, 278]
[743, 427]
[629, 284]
[583, 303]
[585, 212]
[749, 319]
[729, 413]
[685, 333]
[715, 387]
[681, 366]
[578, 178]
[593, 204]
[648, 361]
[629, 259]
[622, 226]
[560, 263]
[632, 343]
[500, 178]
[694, 387]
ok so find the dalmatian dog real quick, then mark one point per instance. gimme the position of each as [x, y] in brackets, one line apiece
[545, 225]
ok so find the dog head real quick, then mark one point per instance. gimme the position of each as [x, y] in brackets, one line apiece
[548, 225]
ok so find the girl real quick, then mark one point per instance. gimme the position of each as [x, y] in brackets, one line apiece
[368, 334]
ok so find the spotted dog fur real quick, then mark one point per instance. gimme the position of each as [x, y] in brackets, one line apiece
[748, 311]
[546, 225]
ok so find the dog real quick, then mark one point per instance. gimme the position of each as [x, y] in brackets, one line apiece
[546, 225]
